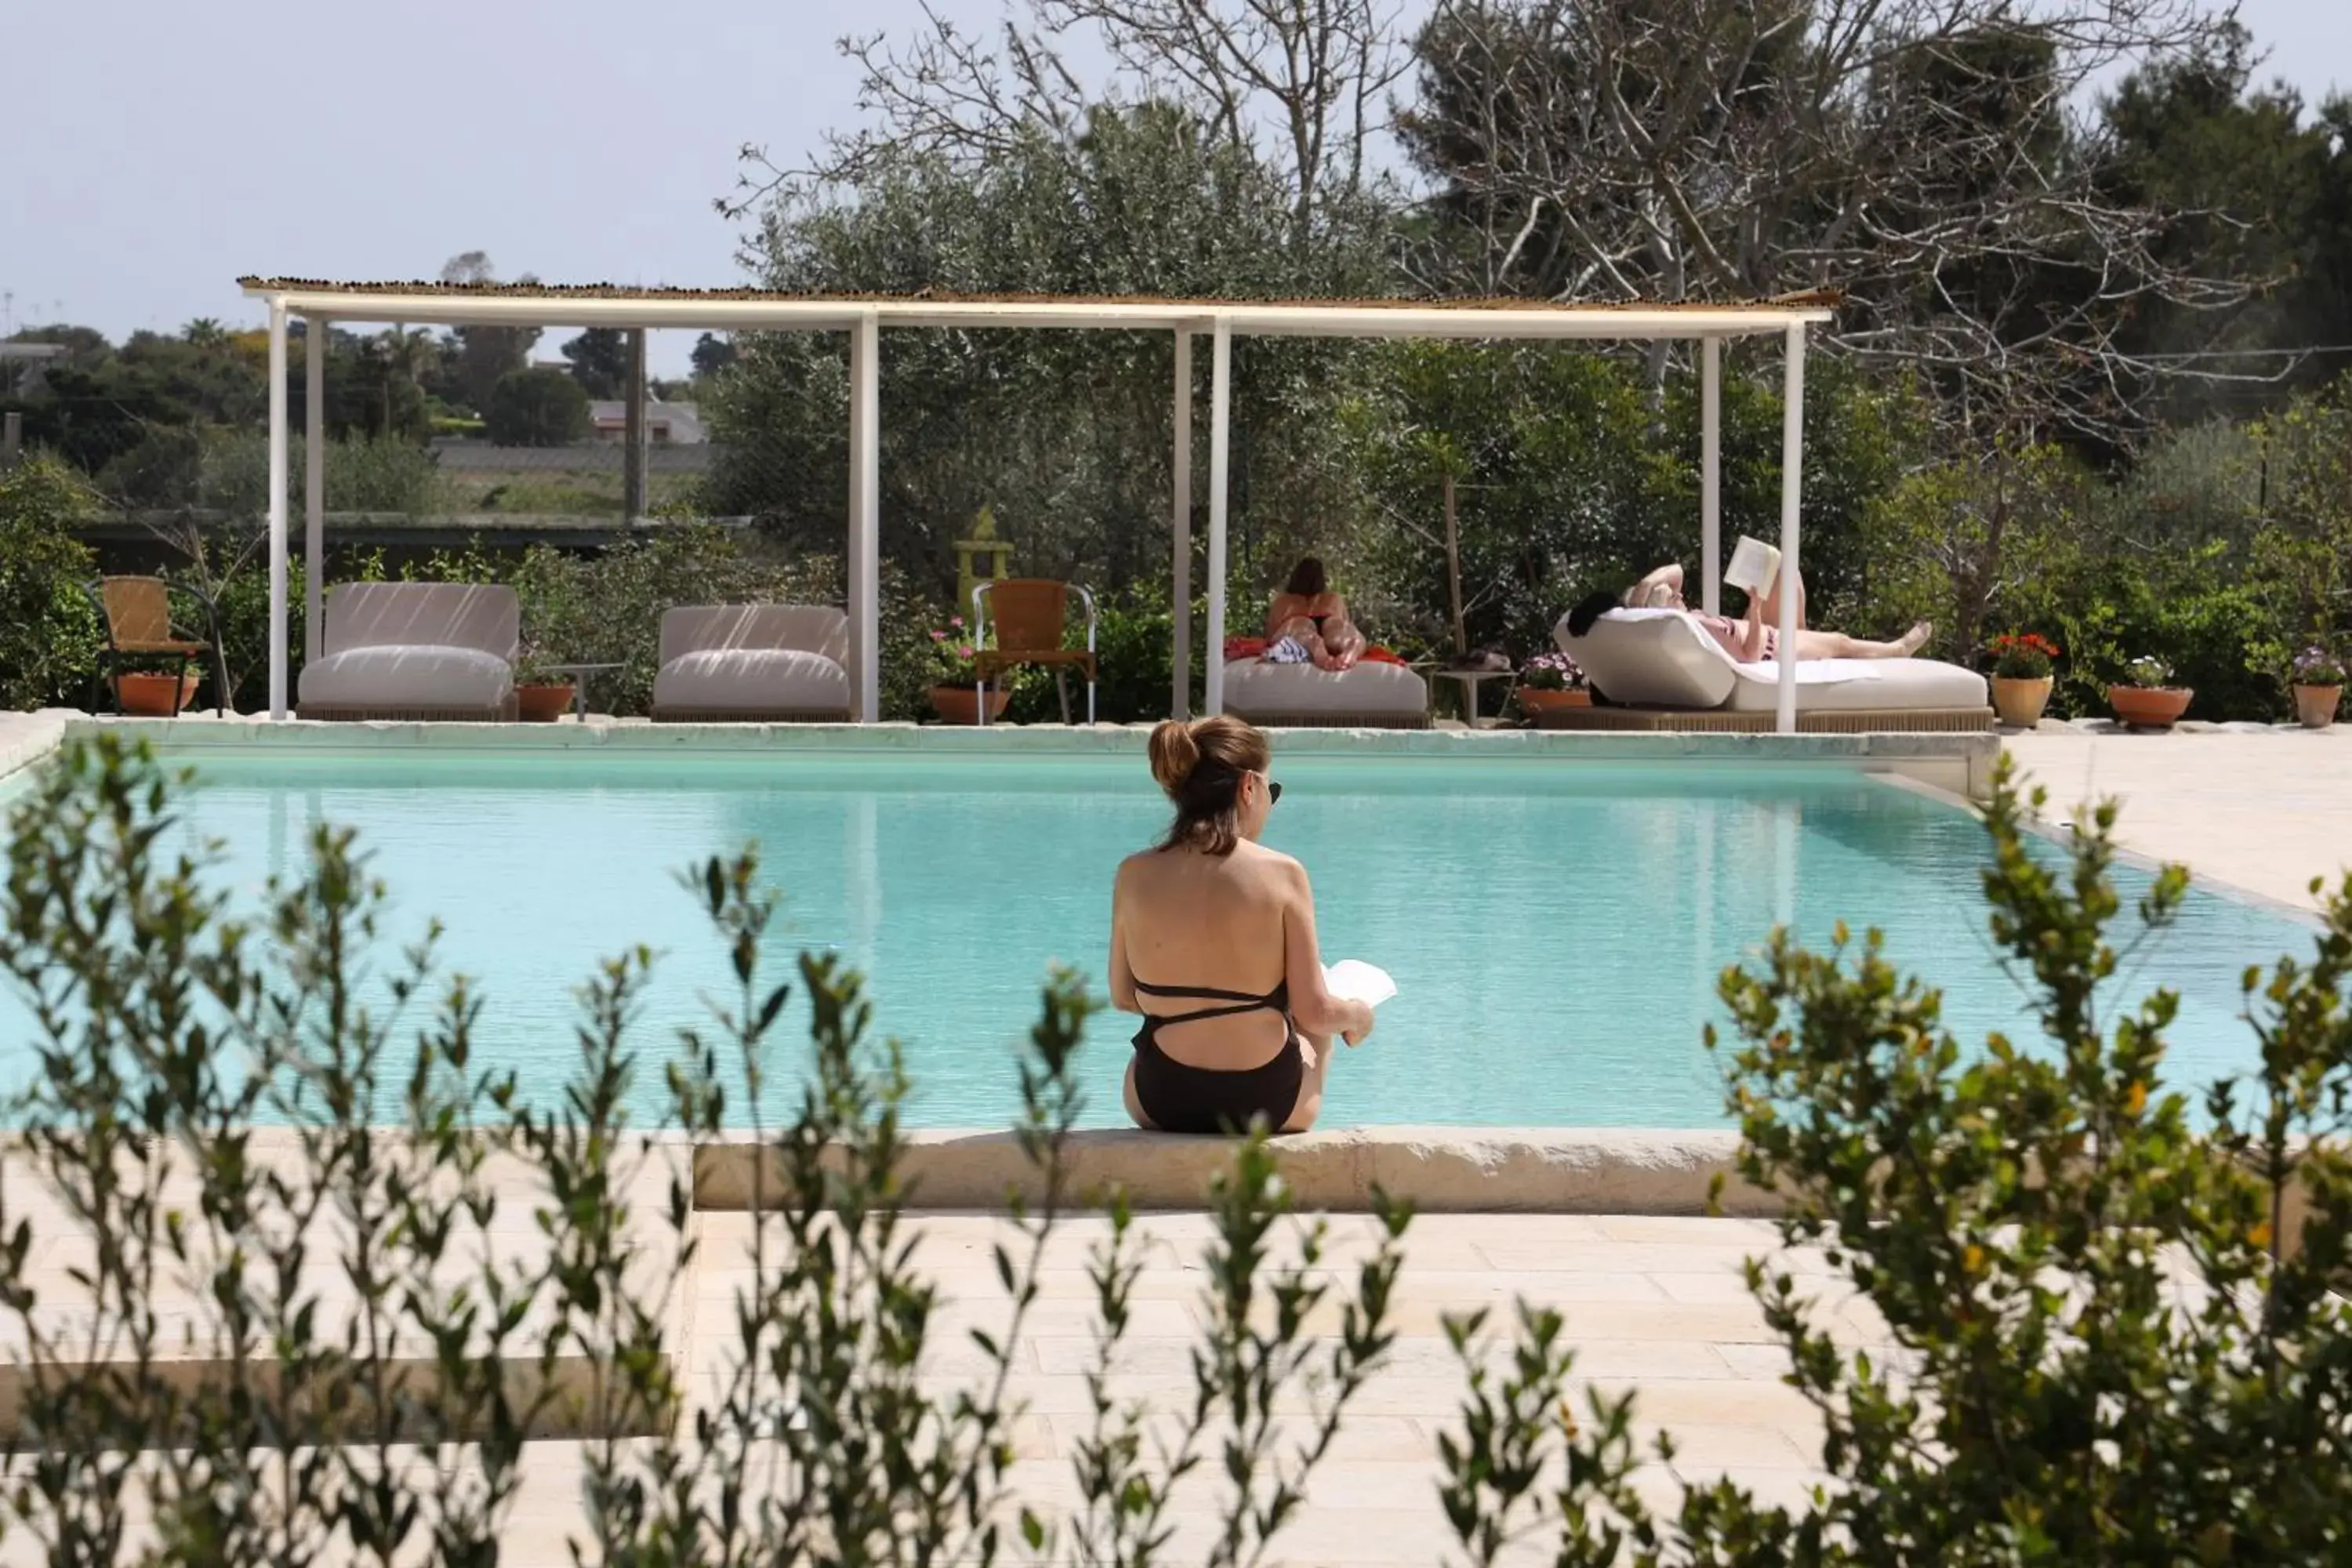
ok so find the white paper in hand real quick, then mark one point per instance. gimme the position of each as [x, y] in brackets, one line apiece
[1354, 980]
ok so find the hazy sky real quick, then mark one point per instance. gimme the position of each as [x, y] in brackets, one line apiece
[158, 148]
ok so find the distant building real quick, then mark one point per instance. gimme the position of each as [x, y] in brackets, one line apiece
[20, 367]
[666, 423]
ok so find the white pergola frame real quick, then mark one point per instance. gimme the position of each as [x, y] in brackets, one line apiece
[321, 304]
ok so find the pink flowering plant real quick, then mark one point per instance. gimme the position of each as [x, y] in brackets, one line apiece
[2315, 665]
[1553, 671]
[952, 649]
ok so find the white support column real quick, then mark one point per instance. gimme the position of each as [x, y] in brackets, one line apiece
[278, 465]
[1710, 473]
[314, 484]
[1792, 490]
[1180, 701]
[866, 517]
[1220, 408]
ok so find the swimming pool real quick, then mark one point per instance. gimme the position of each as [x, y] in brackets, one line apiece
[1555, 930]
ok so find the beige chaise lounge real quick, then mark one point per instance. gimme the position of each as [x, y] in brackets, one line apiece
[1299, 696]
[752, 664]
[413, 650]
[1660, 672]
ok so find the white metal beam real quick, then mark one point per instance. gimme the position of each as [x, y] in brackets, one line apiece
[1710, 473]
[1793, 483]
[1221, 407]
[278, 465]
[866, 517]
[314, 484]
[1180, 700]
[555, 307]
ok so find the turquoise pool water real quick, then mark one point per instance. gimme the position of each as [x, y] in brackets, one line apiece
[1554, 929]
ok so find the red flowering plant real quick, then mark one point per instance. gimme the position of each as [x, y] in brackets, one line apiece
[2023, 655]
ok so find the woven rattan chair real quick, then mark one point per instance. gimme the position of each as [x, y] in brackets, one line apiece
[140, 630]
[1031, 616]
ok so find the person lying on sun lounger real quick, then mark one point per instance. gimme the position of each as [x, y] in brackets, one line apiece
[1755, 636]
[1308, 613]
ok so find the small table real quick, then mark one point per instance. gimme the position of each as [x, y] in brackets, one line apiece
[1470, 679]
[581, 673]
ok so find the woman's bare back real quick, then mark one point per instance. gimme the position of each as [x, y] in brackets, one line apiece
[1213, 922]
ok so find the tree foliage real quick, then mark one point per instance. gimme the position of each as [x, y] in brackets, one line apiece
[537, 407]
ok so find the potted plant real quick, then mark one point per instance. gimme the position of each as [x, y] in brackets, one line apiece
[2145, 697]
[955, 678]
[2021, 662]
[163, 691]
[2318, 686]
[542, 697]
[1550, 683]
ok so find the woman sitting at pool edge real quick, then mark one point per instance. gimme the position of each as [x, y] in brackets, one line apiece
[1212, 943]
[1756, 637]
[1308, 612]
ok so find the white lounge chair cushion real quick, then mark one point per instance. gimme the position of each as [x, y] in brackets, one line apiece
[1253, 685]
[1651, 658]
[389, 676]
[752, 680]
[1661, 659]
[703, 628]
[1842, 685]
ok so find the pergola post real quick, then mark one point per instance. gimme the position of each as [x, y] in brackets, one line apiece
[1710, 474]
[1180, 601]
[1792, 481]
[314, 486]
[865, 515]
[1221, 402]
[278, 465]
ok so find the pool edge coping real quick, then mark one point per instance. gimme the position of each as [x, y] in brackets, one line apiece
[1437, 1170]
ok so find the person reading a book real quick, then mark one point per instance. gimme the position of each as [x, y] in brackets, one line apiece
[1307, 612]
[1212, 943]
[1755, 636]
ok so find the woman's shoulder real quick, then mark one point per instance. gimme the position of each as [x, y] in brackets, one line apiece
[1277, 869]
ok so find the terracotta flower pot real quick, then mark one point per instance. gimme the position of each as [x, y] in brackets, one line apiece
[151, 696]
[2316, 705]
[2149, 707]
[1534, 702]
[960, 704]
[2020, 702]
[542, 702]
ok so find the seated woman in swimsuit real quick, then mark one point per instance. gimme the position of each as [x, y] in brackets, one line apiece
[1308, 610]
[1213, 942]
[1756, 635]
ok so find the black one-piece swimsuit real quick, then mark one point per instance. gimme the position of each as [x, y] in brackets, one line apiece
[1183, 1099]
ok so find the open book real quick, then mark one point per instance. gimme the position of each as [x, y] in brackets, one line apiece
[1753, 565]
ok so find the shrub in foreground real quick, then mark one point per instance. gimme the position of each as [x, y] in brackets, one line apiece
[268, 1335]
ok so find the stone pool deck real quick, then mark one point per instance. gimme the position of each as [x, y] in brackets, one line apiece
[2264, 809]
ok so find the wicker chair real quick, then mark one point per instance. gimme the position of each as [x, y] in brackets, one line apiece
[140, 630]
[1032, 615]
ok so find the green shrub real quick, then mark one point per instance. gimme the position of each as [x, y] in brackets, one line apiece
[262, 1427]
[2020, 1215]
[537, 409]
[49, 632]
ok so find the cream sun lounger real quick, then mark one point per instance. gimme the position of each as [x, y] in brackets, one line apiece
[413, 650]
[1370, 695]
[1665, 673]
[752, 664]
